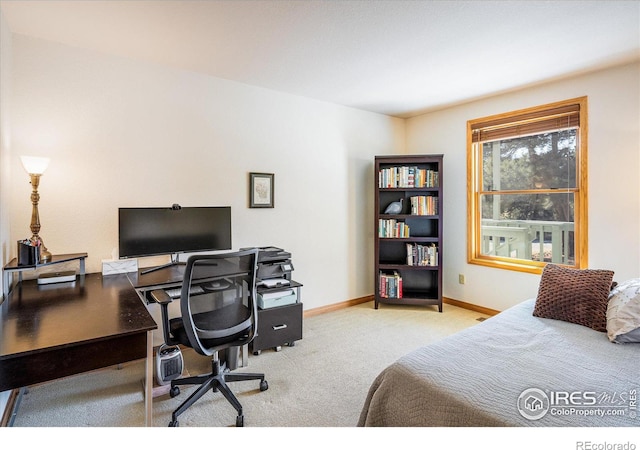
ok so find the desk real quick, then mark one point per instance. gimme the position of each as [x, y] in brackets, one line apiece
[53, 331]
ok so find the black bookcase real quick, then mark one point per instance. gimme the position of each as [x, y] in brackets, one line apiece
[408, 241]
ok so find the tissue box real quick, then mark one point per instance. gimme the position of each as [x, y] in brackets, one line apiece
[279, 298]
[113, 267]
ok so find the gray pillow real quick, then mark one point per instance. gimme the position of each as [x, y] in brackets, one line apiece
[623, 312]
[628, 338]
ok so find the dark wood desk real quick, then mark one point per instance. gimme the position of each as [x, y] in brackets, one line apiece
[52, 331]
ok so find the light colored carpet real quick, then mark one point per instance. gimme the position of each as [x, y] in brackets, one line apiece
[322, 381]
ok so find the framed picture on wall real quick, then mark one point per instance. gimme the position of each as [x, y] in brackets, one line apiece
[261, 190]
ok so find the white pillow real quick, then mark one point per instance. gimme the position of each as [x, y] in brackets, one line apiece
[623, 312]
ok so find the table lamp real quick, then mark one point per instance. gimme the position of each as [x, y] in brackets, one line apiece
[35, 166]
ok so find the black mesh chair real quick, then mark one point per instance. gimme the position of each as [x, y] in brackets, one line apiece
[218, 312]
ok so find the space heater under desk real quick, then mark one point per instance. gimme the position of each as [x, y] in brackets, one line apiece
[169, 364]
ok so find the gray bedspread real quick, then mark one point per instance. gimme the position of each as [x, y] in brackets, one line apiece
[570, 376]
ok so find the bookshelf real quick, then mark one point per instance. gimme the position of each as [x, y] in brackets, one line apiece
[408, 241]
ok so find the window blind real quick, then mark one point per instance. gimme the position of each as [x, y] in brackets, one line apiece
[527, 123]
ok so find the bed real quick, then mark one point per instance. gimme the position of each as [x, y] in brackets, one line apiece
[513, 369]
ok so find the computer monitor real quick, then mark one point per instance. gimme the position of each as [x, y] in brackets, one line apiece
[153, 231]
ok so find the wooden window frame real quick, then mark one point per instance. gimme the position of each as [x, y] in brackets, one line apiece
[524, 121]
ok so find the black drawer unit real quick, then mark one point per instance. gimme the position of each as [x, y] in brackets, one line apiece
[278, 326]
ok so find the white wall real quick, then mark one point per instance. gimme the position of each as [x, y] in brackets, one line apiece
[614, 180]
[127, 133]
[5, 154]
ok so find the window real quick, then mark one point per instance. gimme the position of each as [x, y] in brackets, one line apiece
[527, 187]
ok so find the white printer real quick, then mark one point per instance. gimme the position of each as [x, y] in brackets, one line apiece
[274, 277]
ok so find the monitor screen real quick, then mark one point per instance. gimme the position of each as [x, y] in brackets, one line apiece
[161, 231]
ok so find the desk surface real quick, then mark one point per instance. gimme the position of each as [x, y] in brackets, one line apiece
[56, 330]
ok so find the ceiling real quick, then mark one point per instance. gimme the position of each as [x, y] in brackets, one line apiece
[399, 58]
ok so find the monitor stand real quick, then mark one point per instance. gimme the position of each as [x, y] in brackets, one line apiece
[174, 262]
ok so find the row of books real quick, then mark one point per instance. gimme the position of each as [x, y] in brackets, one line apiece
[390, 285]
[424, 205]
[407, 177]
[422, 255]
[392, 228]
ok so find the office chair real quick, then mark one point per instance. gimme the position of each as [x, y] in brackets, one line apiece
[217, 312]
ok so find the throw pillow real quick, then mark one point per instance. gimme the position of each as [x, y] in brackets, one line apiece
[623, 312]
[574, 295]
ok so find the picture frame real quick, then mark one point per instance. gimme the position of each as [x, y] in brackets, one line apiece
[261, 190]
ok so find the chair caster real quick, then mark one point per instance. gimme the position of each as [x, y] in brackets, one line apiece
[264, 385]
[240, 421]
[174, 392]
[174, 423]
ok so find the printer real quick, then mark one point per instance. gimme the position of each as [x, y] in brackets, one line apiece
[273, 279]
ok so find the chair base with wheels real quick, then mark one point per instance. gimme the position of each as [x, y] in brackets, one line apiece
[216, 381]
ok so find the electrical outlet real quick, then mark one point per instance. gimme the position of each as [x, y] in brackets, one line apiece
[461, 278]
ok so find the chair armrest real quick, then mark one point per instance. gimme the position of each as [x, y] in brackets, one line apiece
[163, 299]
[161, 296]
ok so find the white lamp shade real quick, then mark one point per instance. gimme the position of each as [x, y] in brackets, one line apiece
[34, 164]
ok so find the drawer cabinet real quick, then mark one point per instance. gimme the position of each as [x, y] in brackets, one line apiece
[278, 326]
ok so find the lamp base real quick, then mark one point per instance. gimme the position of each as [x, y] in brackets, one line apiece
[45, 256]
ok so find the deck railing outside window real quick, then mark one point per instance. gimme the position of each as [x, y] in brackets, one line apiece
[530, 240]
